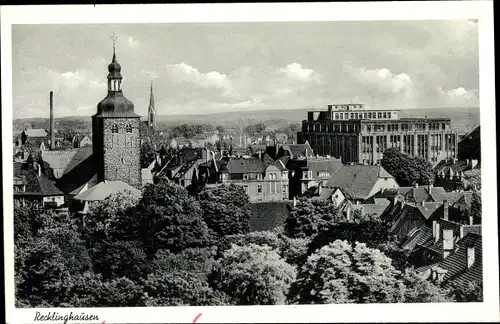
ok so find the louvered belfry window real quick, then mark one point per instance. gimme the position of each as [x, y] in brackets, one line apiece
[129, 128]
[114, 129]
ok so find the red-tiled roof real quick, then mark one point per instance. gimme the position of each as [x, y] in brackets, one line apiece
[356, 180]
[456, 263]
[245, 165]
[104, 189]
[268, 215]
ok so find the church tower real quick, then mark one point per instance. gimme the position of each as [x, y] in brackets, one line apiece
[116, 134]
[151, 113]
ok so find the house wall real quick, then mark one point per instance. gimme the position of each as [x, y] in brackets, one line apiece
[383, 183]
[337, 197]
[58, 200]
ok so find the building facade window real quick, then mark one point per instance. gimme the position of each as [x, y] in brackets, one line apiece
[114, 129]
[259, 188]
[285, 188]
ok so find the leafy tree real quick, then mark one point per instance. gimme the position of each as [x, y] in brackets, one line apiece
[170, 219]
[45, 277]
[72, 248]
[122, 292]
[406, 169]
[419, 290]
[309, 218]
[471, 179]
[198, 261]
[345, 273]
[255, 129]
[471, 292]
[180, 289]
[220, 129]
[371, 231]
[226, 209]
[115, 259]
[148, 154]
[254, 275]
[113, 218]
[292, 251]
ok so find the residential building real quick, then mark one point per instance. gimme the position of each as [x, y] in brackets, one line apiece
[31, 186]
[309, 175]
[179, 142]
[403, 217]
[357, 184]
[360, 135]
[449, 173]
[81, 140]
[263, 179]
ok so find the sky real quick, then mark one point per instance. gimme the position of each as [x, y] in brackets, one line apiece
[219, 67]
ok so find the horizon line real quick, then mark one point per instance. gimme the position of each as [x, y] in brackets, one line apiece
[246, 111]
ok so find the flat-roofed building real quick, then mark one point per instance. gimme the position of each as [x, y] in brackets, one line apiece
[360, 135]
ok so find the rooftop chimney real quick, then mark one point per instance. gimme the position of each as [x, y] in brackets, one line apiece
[448, 242]
[429, 188]
[415, 185]
[471, 256]
[436, 231]
[52, 137]
[445, 209]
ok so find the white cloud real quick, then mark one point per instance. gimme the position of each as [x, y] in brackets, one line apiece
[185, 73]
[459, 96]
[132, 42]
[152, 75]
[296, 71]
[384, 80]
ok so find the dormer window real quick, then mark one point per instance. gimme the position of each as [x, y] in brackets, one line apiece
[114, 129]
[128, 128]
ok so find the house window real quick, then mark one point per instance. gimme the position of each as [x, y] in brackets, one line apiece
[259, 188]
[245, 176]
[304, 174]
[114, 129]
[259, 176]
[128, 128]
[285, 189]
[284, 175]
[246, 189]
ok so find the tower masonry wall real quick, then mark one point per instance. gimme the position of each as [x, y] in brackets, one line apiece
[122, 150]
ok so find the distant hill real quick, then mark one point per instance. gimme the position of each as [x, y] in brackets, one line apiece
[463, 119]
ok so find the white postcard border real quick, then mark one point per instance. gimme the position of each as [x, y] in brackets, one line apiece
[481, 10]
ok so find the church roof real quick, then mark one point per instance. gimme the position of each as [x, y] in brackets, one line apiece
[104, 189]
[116, 105]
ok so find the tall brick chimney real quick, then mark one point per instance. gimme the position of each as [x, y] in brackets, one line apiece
[52, 137]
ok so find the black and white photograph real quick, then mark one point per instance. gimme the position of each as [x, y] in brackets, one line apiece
[247, 163]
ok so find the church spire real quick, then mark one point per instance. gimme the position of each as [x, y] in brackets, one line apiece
[151, 112]
[151, 97]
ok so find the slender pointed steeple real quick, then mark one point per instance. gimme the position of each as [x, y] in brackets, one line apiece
[151, 97]
[151, 112]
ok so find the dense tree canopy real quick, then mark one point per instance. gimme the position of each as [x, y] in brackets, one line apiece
[254, 275]
[471, 179]
[406, 169]
[226, 209]
[255, 129]
[309, 218]
[170, 218]
[345, 273]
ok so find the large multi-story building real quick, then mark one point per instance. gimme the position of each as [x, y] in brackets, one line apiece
[360, 135]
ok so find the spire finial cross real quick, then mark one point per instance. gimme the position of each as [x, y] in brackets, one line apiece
[114, 37]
